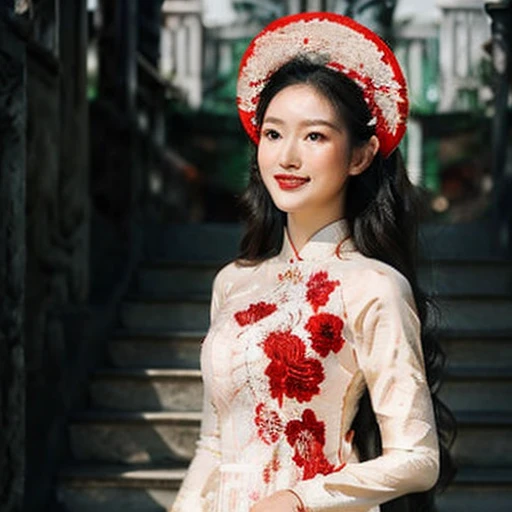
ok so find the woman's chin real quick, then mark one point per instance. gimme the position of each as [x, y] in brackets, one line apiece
[288, 208]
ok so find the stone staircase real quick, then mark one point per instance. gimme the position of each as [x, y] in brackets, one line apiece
[132, 445]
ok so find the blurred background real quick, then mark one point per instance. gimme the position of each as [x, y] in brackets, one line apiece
[444, 47]
[121, 163]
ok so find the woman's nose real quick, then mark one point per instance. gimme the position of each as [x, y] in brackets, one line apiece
[289, 156]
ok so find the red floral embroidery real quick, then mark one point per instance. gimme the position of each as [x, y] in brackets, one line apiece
[307, 438]
[254, 313]
[270, 426]
[325, 333]
[292, 274]
[319, 289]
[291, 373]
[272, 467]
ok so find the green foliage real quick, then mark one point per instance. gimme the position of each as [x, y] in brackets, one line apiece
[221, 99]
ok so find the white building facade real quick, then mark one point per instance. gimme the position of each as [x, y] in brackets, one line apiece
[442, 58]
[464, 30]
[182, 47]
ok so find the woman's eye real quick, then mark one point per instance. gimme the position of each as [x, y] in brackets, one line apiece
[271, 134]
[315, 136]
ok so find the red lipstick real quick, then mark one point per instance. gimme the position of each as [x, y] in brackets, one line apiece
[289, 181]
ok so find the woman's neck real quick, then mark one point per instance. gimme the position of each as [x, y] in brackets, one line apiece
[302, 228]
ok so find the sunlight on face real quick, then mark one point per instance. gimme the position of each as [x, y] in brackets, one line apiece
[304, 154]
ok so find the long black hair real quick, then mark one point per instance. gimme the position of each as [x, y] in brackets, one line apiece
[382, 211]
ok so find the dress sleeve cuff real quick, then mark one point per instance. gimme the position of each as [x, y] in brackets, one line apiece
[312, 494]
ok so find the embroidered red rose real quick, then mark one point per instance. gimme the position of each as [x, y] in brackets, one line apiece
[307, 438]
[325, 333]
[319, 289]
[270, 426]
[254, 313]
[290, 372]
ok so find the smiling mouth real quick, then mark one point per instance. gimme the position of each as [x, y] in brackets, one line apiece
[290, 182]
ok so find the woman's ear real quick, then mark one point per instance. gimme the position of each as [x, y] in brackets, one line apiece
[363, 156]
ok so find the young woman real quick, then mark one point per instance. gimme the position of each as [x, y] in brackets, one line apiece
[317, 366]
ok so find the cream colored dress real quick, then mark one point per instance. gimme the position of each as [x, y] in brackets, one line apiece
[292, 345]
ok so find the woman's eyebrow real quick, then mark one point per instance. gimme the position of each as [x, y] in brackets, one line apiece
[306, 122]
[322, 122]
[274, 120]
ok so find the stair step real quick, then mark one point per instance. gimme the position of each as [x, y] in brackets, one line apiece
[107, 488]
[463, 314]
[475, 475]
[458, 279]
[477, 489]
[219, 241]
[440, 241]
[444, 278]
[462, 372]
[116, 488]
[115, 499]
[156, 349]
[134, 438]
[147, 389]
[162, 437]
[477, 389]
[197, 242]
[175, 278]
[483, 439]
[180, 349]
[465, 388]
[491, 350]
[478, 313]
[106, 475]
[170, 314]
[485, 419]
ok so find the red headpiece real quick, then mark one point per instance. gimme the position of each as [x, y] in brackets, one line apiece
[344, 45]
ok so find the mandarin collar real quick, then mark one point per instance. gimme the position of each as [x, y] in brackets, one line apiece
[333, 239]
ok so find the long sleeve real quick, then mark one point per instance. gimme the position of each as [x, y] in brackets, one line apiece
[193, 495]
[386, 336]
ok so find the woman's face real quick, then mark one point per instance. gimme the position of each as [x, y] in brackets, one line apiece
[304, 153]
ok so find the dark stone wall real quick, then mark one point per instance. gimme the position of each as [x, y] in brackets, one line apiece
[57, 236]
[69, 237]
[12, 268]
[44, 244]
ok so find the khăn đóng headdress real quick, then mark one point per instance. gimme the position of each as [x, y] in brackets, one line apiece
[344, 45]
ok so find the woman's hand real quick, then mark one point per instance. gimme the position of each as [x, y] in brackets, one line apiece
[280, 501]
